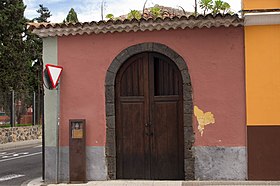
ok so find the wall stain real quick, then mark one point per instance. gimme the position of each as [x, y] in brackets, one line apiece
[203, 119]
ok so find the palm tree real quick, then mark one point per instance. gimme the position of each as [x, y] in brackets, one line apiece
[225, 7]
[206, 5]
[218, 4]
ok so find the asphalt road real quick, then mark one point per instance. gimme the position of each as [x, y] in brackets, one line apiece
[20, 165]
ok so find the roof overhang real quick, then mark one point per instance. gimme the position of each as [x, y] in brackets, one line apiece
[262, 18]
[208, 21]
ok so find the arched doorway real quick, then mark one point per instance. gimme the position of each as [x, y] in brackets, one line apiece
[149, 119]
[113, 70]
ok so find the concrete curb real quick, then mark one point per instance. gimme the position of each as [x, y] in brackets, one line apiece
[35, 182]
[20, 144]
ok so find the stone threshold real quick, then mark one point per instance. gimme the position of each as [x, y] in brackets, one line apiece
[169, 183]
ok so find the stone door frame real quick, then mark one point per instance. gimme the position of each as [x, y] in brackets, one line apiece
[110, 149]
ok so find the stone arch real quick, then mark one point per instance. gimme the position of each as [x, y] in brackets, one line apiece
[110, 149]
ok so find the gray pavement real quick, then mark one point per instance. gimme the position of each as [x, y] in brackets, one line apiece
[20, 144]
[23, 162]
[38, 182]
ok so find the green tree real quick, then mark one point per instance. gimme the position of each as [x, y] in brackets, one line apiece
[44, 14]
[19, 50]
[35, 46]
[206, 5]
[71, 17]
[15, 59]
[14, 55]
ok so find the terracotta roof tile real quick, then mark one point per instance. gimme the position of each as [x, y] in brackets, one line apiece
[111, 26]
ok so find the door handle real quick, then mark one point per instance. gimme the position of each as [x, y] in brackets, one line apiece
[149, 133]
[148, 124]
[147, 130]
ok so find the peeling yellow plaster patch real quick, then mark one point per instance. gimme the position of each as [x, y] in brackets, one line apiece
[203, 119]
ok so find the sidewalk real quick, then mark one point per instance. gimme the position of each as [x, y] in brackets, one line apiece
[20, 144]
[38, 182]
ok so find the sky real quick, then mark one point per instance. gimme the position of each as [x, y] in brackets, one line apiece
[89, 10]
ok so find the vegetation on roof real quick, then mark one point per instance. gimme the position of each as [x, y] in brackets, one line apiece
[207, 6]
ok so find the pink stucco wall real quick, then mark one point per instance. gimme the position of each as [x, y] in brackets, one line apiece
[215, 59]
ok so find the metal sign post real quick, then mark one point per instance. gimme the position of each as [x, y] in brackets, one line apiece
[51, 78]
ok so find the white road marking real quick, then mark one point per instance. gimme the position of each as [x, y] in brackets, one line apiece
[11, 176]
[37, 146]
[7, 155]
[21, 156]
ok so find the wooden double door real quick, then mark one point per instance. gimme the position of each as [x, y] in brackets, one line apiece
[149, 119]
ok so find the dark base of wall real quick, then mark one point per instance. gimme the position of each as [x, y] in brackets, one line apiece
[220, 163]
[263, 152]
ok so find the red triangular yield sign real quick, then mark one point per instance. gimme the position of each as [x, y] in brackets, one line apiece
[54, 73]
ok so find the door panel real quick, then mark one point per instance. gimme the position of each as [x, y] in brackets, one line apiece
[166, 162]
[131, 115]
[166, 112]
[166, 80]
[132, 139]
[149, 124]
[132, 80]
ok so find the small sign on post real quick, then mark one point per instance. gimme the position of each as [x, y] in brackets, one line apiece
[77, 130]
[52, 75]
